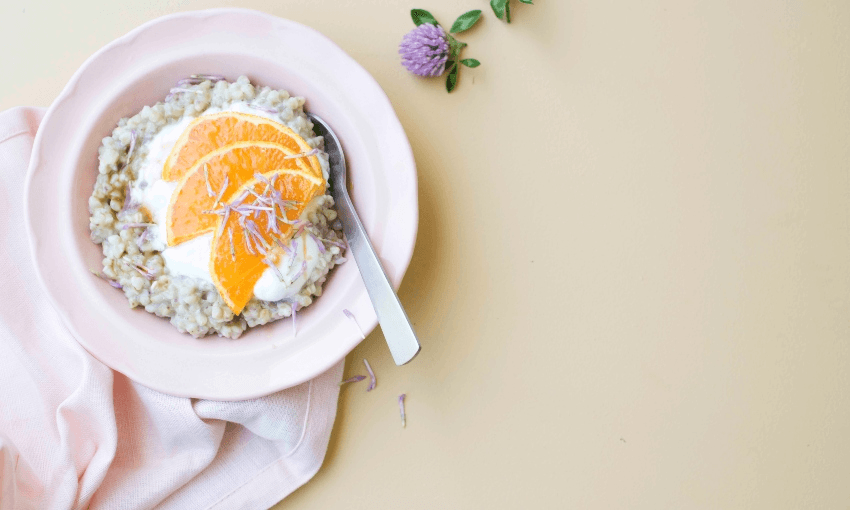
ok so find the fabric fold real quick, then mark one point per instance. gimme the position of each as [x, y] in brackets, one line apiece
[75, 434]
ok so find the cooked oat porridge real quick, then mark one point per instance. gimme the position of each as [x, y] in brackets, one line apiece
[212, 207]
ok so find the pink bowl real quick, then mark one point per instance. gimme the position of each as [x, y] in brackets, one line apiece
[139, 69]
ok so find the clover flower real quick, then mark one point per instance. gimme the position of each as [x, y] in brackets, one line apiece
[425, 50]
[428, 50]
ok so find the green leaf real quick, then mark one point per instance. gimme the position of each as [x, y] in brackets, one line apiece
[470, 62]
[508, 11]
[498, 7]
[421, 16]
[451, 79]
[465, 21]
[526, 2]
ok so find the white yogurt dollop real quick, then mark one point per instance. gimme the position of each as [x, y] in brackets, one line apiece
[191, 258]
[270, 288]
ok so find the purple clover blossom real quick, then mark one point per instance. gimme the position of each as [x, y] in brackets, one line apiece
[425, 50]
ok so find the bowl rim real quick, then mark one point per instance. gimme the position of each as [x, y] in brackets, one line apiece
[403, 253]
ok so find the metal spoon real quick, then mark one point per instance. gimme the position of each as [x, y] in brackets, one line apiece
[394, 322]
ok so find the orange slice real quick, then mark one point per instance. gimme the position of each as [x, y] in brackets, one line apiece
[209, 132]
[213, 180]
[245, 244]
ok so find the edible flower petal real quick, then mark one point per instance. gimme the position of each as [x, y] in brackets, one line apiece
[354, 320]
[356, 378]
[372, 380]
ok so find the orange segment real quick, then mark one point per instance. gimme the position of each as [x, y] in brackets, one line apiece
[209, 132]
[237, 256]
[201, 188]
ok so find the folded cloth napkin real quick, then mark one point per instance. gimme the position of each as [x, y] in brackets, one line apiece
[75, 434]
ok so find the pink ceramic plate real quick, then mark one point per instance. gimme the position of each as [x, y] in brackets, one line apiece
[139, 69]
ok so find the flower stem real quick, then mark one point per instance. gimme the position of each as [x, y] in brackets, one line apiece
[455, 46]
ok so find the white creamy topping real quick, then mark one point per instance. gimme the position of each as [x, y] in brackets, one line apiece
[191, 258]
[270, 288]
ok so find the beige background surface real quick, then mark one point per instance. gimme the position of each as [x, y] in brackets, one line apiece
[632, 279]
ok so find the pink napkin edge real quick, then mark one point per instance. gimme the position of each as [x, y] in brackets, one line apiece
[264, 490]
[20, 120]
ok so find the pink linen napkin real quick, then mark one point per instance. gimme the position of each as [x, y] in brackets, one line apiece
[75, 434]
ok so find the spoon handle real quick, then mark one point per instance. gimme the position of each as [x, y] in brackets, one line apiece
[394, 322]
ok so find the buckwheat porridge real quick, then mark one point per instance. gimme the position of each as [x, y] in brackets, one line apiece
[212, 207]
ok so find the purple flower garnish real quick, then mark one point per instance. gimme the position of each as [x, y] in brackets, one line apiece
[254, 208]
[147, 273]
[284, 247]
[300, 271]
[401, 408]
[142, 238]
[273, 221]
[211, 77]
[207, 181]
[284, 219]
[129, 204]
[372, 380]
[110, 281]
[260, 198]
[335, 243]
[221, 192]
[302, 154]
[263, 108]
[274, 267]
[259, 240]
[356, 378]
[177, 90]
[223, 221]
[241, 198]
[135, 225]
[197, 79]
[262, 178]
[299, 227]
[248, 245]
[319, 242]
[425, 50]
[132, 146]
[284, 204]
[354, 320]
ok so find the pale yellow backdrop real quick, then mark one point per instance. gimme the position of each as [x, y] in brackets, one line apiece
[632, 279]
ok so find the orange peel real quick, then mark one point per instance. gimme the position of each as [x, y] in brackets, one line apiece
[207, 133]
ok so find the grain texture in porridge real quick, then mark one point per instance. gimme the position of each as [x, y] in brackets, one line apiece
[132, 246]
